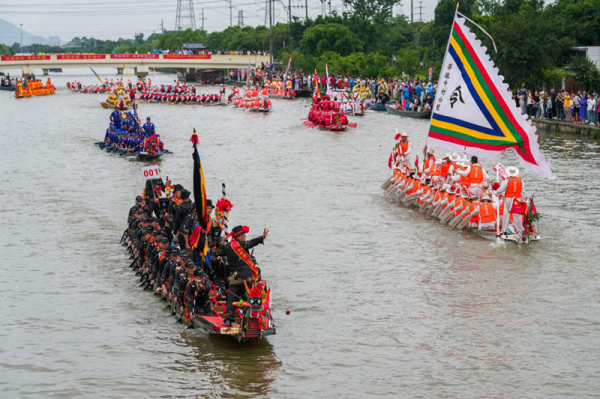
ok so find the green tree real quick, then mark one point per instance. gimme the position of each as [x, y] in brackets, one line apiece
[332, 37]
[5, 50]
[528, 42]
[583, 17]
[377, 10]
[407, 61]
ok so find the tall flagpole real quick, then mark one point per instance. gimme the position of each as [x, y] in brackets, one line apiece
[441, 71]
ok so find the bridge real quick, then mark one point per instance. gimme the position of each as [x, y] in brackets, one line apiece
[140, 62]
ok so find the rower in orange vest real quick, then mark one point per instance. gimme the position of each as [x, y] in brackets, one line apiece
[512, 188]
[435, 171]
[487, 214]
[476, 174]
[460, 174]
[404, 149]
[430, 161]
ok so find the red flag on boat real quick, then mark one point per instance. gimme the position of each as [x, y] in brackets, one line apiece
[417, 163]
[390, 161]
[518, 207]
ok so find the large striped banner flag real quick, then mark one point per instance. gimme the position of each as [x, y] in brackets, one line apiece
[474, 109]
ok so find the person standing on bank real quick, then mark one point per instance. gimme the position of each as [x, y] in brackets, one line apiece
[241, 267]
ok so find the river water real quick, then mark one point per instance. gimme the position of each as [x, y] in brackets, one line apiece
[382, 301]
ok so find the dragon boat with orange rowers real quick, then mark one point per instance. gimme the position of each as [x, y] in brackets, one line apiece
[278, 89]
[34, 87]
[251, 99]
[475, 115]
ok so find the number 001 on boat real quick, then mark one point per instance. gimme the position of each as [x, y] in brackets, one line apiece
[151, 172]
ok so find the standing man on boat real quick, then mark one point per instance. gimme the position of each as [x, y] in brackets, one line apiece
[241, 267]
[149, 128]
[512, 189]
[182, 211]
[115, 117]
[404, 149]
[173, 204]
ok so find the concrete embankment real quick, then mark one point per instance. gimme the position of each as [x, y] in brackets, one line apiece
[558, 127]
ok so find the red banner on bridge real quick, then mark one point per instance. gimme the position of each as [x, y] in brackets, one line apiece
[186, 56]
[132, 56]
[24, 57]
[81, 57]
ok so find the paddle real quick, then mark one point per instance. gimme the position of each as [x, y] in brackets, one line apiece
[123, 236]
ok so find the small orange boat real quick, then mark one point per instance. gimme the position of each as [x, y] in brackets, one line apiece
[34, 88]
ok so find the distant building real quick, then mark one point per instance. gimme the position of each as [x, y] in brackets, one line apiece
[591, 52]
[194, 46]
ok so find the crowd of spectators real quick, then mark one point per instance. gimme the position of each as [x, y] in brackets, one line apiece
[211, 52]
[575, 107]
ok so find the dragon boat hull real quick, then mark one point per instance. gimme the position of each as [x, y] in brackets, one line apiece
[491, 235]
[145, 156]
[214, 324]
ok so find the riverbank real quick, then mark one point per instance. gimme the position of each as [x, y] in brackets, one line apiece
[558, 127]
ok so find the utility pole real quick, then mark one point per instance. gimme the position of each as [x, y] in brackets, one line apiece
[306, 8]
[417, 37]
[162, 27]
[329, 7]
[289, 14]
[21, 38]
[202, 18]
[230, 13]
[411, 11]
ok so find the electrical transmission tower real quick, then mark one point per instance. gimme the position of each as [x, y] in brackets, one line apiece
[241, 18]
[185, 18]
[267, 5]
[421, 11]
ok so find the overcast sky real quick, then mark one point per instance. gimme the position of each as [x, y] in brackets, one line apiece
[111, 19]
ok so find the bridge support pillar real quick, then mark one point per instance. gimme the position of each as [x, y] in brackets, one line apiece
[28, 71]
[190, 74]
[142, 71]
[120, 71]
[45, 71]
